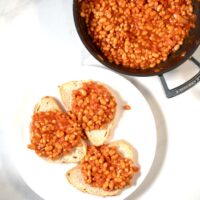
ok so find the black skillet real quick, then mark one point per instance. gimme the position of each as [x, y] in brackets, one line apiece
[174, 60]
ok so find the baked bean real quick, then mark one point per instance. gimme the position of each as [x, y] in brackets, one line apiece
[100, 169]
[138, 33]
[127, 107]
[54, 134]
[97, 107]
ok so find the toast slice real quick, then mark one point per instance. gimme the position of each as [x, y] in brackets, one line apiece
[96, 137]
[48, 103]
[74, 176]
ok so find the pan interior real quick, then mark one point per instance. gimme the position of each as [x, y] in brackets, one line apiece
[174, 59]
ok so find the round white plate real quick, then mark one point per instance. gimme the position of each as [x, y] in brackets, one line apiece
[136, 126]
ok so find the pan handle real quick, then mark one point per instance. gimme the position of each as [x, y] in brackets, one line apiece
[185, 86]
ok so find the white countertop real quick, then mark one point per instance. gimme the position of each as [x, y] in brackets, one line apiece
[38, 38]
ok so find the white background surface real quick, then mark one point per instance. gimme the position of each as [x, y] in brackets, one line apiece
[38, 38]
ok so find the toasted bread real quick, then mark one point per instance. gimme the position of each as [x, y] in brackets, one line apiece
[47, 104]
[96, 137]
[74, 176]
[50, 104]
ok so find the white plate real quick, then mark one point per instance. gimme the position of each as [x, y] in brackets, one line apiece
[136, 126]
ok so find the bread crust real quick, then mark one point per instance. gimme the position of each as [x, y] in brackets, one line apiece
[75, 178]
